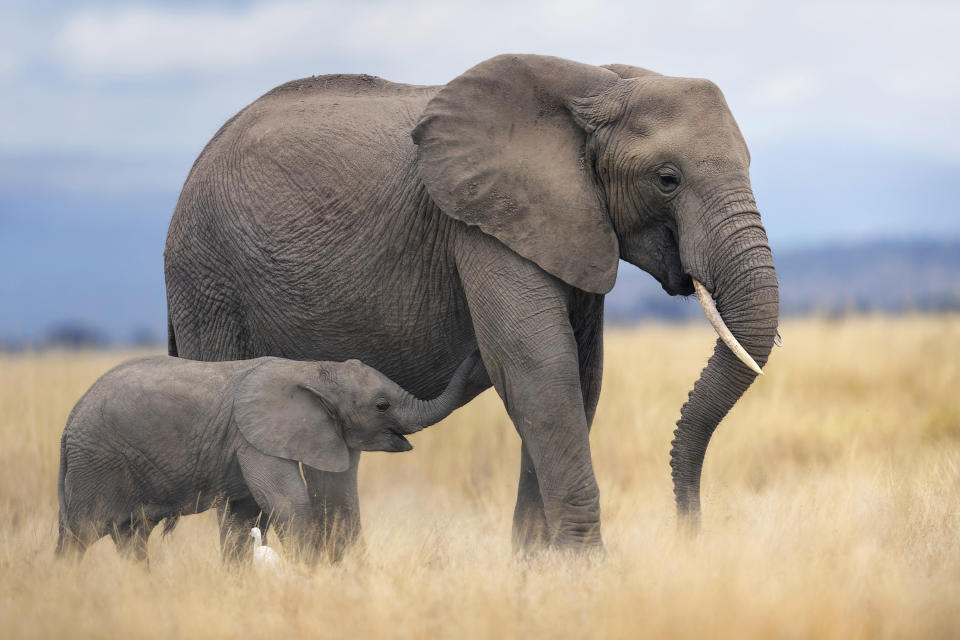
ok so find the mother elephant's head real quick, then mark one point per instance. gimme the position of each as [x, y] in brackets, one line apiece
[574, 166]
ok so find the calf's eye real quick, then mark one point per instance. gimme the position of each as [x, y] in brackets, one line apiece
[382, 405]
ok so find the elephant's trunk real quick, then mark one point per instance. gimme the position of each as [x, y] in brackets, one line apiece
[417, 414]
[737, 270]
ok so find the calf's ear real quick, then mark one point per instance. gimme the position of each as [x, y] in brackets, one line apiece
[282, 415]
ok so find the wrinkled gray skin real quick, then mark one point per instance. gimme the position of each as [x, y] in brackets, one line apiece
[347, 216]
[160, 437]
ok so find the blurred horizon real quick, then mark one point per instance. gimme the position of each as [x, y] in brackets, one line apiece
[849, 110]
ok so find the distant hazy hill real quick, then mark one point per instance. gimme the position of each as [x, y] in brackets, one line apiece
[83, 263]
[885, 275]
[82, 236]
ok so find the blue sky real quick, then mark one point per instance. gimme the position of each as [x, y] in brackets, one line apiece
[849, 110]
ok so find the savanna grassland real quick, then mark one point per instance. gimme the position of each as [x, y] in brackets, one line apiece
[831, 510]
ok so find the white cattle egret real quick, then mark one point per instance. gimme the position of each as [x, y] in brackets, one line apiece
[263, 556]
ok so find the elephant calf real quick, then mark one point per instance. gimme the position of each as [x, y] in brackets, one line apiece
[159, 437]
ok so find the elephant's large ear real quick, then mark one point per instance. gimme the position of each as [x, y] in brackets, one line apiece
[280, 415]
[500, 149]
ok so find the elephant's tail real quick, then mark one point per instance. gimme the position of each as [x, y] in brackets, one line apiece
[62, 499]
[171, 338]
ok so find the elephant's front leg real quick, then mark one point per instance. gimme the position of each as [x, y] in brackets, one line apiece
[521, 317]
[278, 487]
[335, 502]
[586, 317]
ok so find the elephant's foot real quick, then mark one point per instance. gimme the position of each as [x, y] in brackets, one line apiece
[577, 518]
[529, 531]
[578, 531]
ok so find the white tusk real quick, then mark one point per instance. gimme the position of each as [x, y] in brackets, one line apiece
[777, 340]
[710, 309]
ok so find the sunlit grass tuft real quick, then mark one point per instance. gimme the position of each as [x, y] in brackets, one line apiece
[831, 509]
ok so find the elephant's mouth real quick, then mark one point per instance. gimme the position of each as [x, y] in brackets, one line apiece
[396, 442]
[678, 283]
[674, 279]
[387, 440]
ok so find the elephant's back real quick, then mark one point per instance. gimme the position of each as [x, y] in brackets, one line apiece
[350, 86]
[313, 154]
[143, 397]
[310, 126]
[355, 110]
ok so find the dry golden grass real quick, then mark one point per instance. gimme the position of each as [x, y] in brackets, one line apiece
[831, 509]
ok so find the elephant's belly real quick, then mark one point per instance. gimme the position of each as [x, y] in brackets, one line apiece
[407, 317]
[417, 346]
[188, 489]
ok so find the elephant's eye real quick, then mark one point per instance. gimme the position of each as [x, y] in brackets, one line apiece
[668, 181]
[382, 405]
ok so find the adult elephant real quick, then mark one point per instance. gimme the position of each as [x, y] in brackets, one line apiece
[345, 216]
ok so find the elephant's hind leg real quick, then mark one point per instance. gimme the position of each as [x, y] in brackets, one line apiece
[131, 536]
[74, 540]
[529, 520]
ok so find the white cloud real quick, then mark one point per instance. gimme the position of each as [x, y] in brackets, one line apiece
[149, 40]
[936, 79]
[9, 64]
[788, 88]
[789, 71]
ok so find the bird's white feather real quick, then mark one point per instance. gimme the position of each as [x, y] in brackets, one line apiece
[263, 556]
